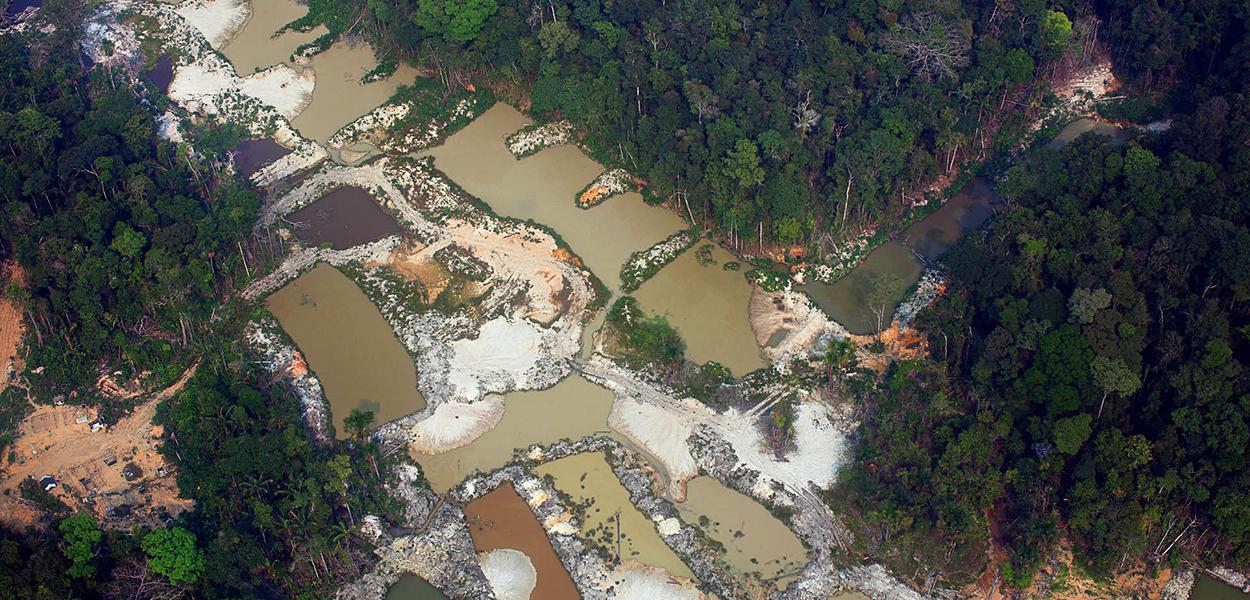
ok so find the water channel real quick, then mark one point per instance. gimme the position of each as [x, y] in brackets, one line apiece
[348, 346]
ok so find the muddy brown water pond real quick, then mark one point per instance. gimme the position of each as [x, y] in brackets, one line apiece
[338, 96]
[251, 156]
[588, 478]
[502, 519]
[346, 217]
[1210, 588]
[707, 304]
[868, 295]
[254, 47]
[348, 346]
[755, 541]
[541, 187]
[411, 587]
[573, 409]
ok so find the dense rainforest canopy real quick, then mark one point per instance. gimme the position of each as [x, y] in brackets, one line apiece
[1088, 371]
[124, 238]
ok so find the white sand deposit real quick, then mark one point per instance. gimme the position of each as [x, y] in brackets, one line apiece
[454, 424]
[504, 348]
[511, 573]
[218, 20]
[633, 581]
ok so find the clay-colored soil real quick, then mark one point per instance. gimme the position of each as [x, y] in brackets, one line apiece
[10, 325]
[502, 519]
[88, 467]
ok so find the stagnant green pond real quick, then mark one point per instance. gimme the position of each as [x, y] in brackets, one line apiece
[1210, 588]
[411, 587]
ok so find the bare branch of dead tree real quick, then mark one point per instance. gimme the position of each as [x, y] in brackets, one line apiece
[931, 46]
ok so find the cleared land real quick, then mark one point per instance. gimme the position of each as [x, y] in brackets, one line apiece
[91, 468]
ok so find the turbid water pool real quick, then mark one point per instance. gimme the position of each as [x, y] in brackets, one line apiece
[864, 299]
[1079, 127]
[708, 306]
[254, 47]
[339, 97]
[500, 519]
[573, 409]
[251, 156]
[755, 541]
[589, 479]
[348, 346]
[345, 217]
[1210, 588]
[542, 187]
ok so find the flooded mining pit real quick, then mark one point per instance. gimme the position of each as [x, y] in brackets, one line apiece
[611, 520]
[346, 217]
[501, 519]
[348, 345]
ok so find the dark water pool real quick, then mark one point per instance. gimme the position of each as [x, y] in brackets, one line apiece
[345, 217]
[411, 587]
[162, 73]
[251, 156]
[17, 6]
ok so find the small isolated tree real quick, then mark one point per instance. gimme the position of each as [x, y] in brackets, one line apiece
[1054, 32]
[171, 552]
[358, 422]
[839, 359]
[882, 293]
[82, 541]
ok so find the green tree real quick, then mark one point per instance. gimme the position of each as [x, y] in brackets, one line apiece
[357, 423]
[1113, 377]
[171, 552]
[1055, 31]
[457, 21]
[1085, 303]
[1071, 433]
[82, 537]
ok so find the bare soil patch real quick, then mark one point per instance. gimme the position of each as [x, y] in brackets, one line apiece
[11, 327]
[90, 467]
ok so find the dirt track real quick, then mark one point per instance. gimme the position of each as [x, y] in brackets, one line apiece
[11, 328]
